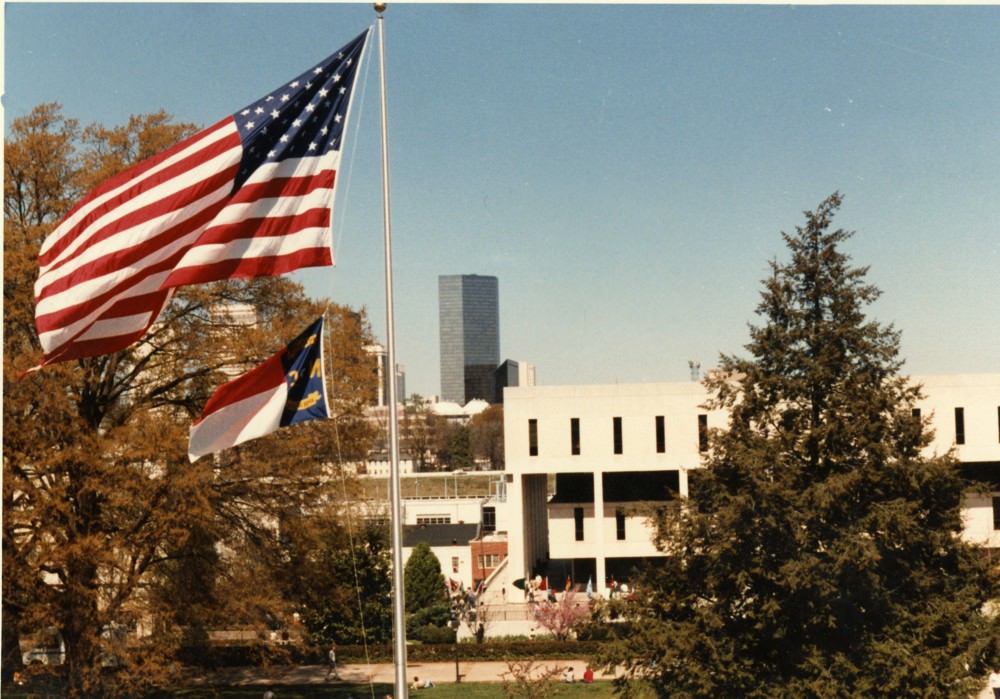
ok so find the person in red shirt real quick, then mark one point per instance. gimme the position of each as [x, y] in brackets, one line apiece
[588, 675]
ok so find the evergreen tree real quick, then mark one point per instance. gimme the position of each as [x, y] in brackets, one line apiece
[426, 597]
[819, 553]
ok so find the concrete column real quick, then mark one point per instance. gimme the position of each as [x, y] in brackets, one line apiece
[599, 532]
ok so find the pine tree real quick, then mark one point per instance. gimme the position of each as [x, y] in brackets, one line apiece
[819, 552]
[424, 589]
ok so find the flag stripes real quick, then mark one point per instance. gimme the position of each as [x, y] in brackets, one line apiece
[249, 196]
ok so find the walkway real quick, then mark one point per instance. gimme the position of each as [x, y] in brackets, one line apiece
[472, 671]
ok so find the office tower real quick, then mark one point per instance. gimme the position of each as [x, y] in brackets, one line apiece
[469, 313]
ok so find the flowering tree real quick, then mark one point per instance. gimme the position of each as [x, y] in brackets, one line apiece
[560, 618]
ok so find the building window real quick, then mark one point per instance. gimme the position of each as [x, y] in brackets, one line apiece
[489, 560]
[959, 425]
[532, 437]
[454, 564]
[489, 519]
[996, 512]
[620, 524]
[433, 519]
[703, 432]
[661, 434]
[574, 436]
[578, 521]
[617, 425]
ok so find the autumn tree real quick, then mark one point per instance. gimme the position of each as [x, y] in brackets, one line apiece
[110, 535]
[418, 428]
[486, 432]
[819, 553]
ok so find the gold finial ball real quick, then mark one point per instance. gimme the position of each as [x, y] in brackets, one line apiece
[380, 7]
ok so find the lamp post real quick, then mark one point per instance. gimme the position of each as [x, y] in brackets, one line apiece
[454, 626]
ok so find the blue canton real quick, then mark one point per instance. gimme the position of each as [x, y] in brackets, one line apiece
[301, 118]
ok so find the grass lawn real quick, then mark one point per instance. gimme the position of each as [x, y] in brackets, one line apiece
[465, 690]
[600, 689]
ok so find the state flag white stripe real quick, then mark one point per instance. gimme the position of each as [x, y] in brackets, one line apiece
[238, 422]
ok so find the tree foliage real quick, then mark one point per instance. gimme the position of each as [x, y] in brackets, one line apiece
[819, 554]
[339, 573]
[110, 536]
[562, 616]
[426, 596]
[486, 432]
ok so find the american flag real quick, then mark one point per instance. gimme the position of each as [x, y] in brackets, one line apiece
[249, 196]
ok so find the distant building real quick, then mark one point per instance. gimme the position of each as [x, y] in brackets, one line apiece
[469, 315]
[512, 374]
[378, 352]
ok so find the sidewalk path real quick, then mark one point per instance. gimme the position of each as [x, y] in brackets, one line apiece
[438, 673]
[471, 671]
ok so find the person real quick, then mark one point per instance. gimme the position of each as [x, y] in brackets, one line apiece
[332, 660]
[568, 676]
[588, 675]
[417, 684]
[268, 694]
[994, 682]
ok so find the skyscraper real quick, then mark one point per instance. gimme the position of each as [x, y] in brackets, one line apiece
[469, 313]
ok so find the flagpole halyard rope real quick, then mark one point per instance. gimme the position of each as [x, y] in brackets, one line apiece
[350, 522]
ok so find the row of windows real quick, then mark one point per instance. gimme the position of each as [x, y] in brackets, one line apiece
[960, 423]
[619, 523]
[489, 560]
[433, 519]
[618, 443]
[660, 432]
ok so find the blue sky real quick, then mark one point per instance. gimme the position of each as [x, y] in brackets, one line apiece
[625, 171]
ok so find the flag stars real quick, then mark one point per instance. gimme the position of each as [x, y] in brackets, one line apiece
[337, 118]
[244, 112]
[323, 92]
[258, 110]
[294, 84]
[285, 98]
[337, 77]
[297, 123]
[275, 113]
[312, 146]
[317, 71]
[310, 107]
[284, 138]
[249, 125]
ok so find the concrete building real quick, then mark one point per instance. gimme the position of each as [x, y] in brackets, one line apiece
[580, 458]
[469, 316]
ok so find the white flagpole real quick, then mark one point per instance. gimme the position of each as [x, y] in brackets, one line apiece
[398, 606]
